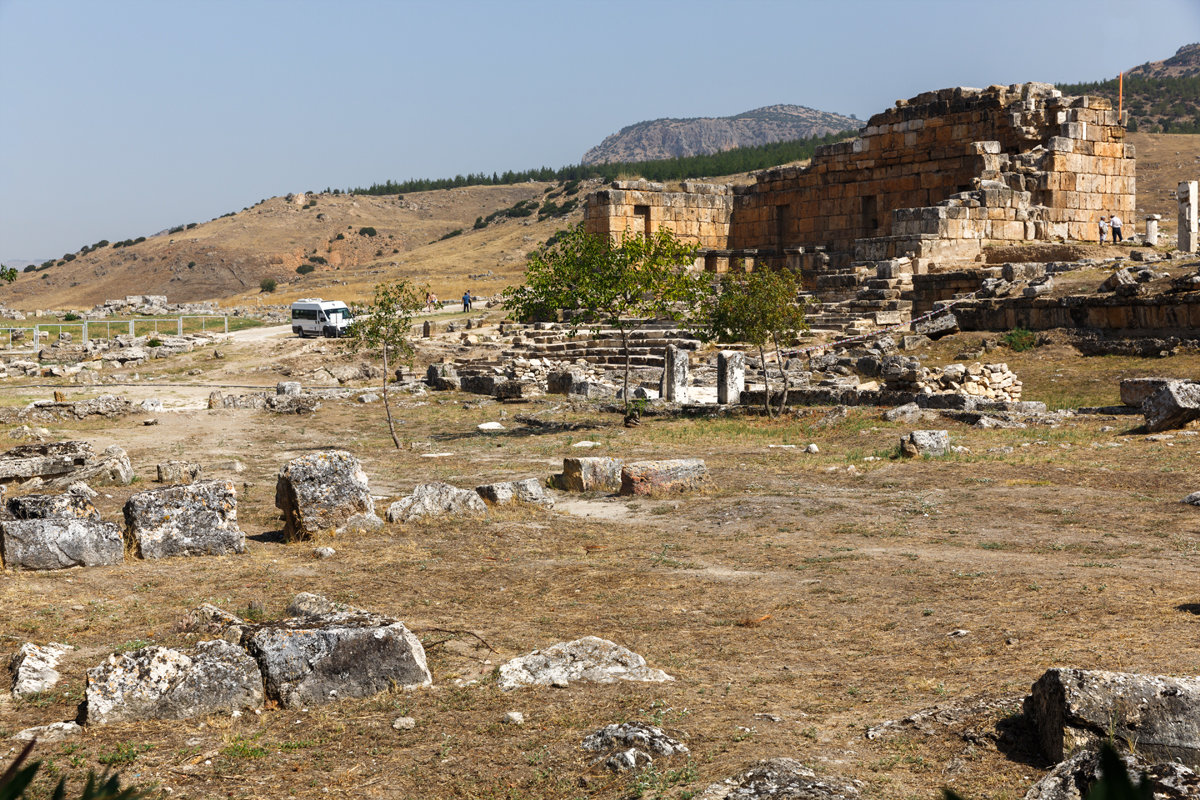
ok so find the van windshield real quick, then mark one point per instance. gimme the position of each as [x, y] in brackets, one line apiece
[338, 313]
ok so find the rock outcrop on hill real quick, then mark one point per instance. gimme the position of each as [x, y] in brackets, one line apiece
[672, 138]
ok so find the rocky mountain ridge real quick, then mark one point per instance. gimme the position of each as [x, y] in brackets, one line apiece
[674, 138]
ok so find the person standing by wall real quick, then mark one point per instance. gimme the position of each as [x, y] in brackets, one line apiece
[1116, 229]
[1103, 229]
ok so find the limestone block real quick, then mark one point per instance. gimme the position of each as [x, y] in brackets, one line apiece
[590, 474]
[178, 471]
[161, 683]
[70, 505]
[1173, 405]
[589, 659]
[59, 543]
[675, 376]
[668, 476]
[332, 653]
[435, 500]
[321, 492]
[529, 491]
[1072, 709]
[731, 376]
[925, 443]
[34, 668]
[196, 519]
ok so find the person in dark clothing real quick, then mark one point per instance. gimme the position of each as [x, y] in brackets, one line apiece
[467, 300]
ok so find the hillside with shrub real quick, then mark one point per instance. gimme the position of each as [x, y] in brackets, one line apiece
[1160, 96]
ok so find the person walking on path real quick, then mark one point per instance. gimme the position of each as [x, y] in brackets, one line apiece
[467, 300]
[1116, 229]
[1103, 229]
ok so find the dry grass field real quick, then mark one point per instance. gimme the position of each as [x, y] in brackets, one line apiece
[800, 601]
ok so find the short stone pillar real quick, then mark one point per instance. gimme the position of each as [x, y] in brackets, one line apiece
[1187, 216]
[1152, 229]
[731, 376]
[427, 329]
[674, 388]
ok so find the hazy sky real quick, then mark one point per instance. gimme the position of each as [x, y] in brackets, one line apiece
[120, 118]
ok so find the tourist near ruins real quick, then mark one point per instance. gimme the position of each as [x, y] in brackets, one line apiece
[868, 473]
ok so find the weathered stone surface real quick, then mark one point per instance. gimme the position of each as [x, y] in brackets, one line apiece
[34, 667]
[192, 520]
[590, 474]
[668, 476]
[529, 491]
[110, 468]
[59, 543]
[331, 654]
[319, 492]
[69, 505]
[1192, 499]
[1121, 277]
[561, 381]
[1134, 391]
[629, 745]
[178, 471]
[937, 326]
[925, 443]
[1174, 405]
[731, 376]
[435, 500]
[41, 460]
[161, 683]
[780, 779]
[54, 732]
[909, 412]
[1074, 778]
[1072, 709]
[674, 386]
[291, 388]
[588, 659]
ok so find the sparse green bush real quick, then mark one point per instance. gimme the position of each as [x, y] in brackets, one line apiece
[30, 268]
[154, 342]
[191, 225]
[451, 234]
[340, 236]
[191, 264]
[1019, 340]
[267, 285]
[367, 231]
[479, 223]
[71, 317]
[305, 269]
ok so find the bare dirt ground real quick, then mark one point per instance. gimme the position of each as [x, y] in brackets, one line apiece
[800, 601]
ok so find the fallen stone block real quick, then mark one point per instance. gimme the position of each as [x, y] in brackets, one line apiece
[1174, 405]
[320, 492]
[435, 500]
[178, 471]
[162, 683]
[35, 667]
[69, 505]
[290, 388]
[332, 654]
[590, 474]
[590, 659]
[197, 519]
[54, 732]
[1134, 391]
[59, 543]
[529, 491]
[1121, 277]
[780, 778]
[925, 443]
[909, 412]
[1074, 778]
[668, 476]
[937, 326]
[1074, 709]
[46, 459]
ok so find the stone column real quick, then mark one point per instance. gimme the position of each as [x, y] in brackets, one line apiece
[731, 376]
[1152, 229]
[675, 375]
[1187, 216]
[427, 329]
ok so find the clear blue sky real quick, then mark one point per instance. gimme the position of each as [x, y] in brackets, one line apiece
[121, 118]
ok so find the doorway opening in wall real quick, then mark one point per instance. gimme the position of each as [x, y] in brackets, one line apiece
[641, 216]
[870, 214]
[782, 224]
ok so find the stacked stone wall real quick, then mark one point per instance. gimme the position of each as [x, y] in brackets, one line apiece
[938, 175]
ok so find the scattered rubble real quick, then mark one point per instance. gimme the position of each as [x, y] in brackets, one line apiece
[34, 667]
[528, 491]
[779, 778]
[630, 745]
[588, 659]
[435, 500]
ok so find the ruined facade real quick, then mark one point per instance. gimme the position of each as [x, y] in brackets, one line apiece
[936, 177]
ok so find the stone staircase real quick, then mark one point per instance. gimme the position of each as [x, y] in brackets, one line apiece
[862, 297]
[646, 345]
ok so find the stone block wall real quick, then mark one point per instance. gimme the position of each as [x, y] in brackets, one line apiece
[937, 175]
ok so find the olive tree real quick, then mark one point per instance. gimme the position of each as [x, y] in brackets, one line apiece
[760, 308]
[599, 282]
[384, 326]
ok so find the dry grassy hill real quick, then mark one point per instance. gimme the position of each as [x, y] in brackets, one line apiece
[227, 258]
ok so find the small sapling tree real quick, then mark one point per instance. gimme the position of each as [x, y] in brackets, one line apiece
[759, 308]
[599, 282]
[384, 326]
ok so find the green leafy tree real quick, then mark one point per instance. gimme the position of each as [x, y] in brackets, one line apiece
[759, 308]
[267, 285]
[8, 274]
[598, 282]
[384, 326]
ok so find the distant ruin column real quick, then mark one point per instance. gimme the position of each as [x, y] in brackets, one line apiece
[731, 376]
[1187, 216]
[675, 375]
[1152, 229]
[427, 329]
